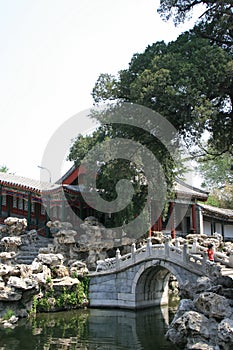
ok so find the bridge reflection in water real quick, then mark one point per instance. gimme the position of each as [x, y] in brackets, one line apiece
[100, 329]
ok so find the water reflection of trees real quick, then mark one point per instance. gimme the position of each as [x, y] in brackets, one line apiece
[90, 329]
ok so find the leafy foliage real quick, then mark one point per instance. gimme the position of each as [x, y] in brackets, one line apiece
[67, 299]
[8, 314]
[4, 169]
[218, 177]
[189, 81]
[111, 172]
[216, 171]
[221, 197]
[215, 23]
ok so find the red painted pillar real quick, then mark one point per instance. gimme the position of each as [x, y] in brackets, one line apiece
[194, 219]
[172, 204]
[172, 220]
[152, 217]
[160, 225]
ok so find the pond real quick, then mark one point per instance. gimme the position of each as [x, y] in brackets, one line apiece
[99, 329]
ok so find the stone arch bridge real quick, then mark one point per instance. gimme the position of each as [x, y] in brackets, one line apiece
[140, 279]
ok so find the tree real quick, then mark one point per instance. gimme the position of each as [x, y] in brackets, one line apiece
[222, 198]
[216, 171]
[218, 178]
[188, 81]
[111, 172]
[4, 169]
[215, 23]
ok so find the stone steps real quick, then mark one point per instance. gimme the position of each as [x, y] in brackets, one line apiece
[28, 252]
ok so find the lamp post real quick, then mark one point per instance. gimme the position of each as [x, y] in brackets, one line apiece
[44, 168]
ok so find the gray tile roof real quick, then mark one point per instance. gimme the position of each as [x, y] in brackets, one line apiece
[209, 210]
[183, 189]
[26, 183]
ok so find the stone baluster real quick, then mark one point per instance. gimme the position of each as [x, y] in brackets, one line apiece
[231, 259]
[185, 253]
[195, 246]
[148, 246]
[204, 261]
[167, 247]
[177, 243]
[205, 258]
[133, 250]
[118, 258]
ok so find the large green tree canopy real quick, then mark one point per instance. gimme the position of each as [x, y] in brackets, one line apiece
[131, 168]
[215, 23]
[188, 81]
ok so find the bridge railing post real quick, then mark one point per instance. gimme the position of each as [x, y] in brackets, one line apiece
[148, 246]
[185, 253]
[205, 256]
[133, 250]
[204, 261]
[167, 247]
[195, 246]
[231, 259]
[118, 258]
[177, 243]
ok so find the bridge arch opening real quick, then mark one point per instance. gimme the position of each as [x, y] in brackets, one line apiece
[152, 287]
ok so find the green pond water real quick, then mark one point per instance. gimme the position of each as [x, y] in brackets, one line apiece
[99, 329]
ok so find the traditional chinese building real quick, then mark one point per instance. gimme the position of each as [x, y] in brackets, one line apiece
[39, 201]
[216, 220]
[183, 213]
[21, 197]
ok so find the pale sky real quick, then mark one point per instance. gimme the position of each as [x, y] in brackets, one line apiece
[51, 54]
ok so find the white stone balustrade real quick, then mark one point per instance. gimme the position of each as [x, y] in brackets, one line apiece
[192, 258]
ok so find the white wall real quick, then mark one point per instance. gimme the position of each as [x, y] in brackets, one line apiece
[207, 227]
[228, 231]
[218, 228]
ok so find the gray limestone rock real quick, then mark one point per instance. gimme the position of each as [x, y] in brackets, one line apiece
[51, 260]
[5, 269]
[11, 242]
[43, 275]
[15, 226]
[9, 294]
[78, 268]
[199, 344]
[184, 305]
[21, 283]
[225, 331]
[213, 305]
[189, 290]
[7, 256]
[190, 324]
